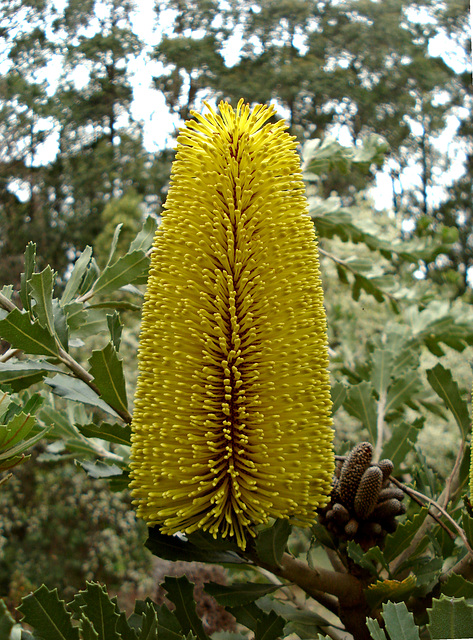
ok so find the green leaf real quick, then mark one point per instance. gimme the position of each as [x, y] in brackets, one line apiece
[398, 541]
[124, 271]
[87, 629]
[22, 446]
[450, 618]
[95, 604]
[77, 275]
[402, 439]
[271, 543]
[457, 587]
[107, 370]
[28, 336]
[106, 431]
[400, 622]
[382, 365]
[402, 390]
[115, 327]
[239, 593]
[20, 375]
[393, 590]
[442, 382]
[113, 244]
[248, 615]
[30, 263]
[270, 627]
[338, 393]
[467, 522]
[367, 559]
[144, 239]
[169, 627]
[43, 611]
[61, 327]
[174, 548]
[181, 592]
[77, 390]
[60, 424]
[16, 430]
[42, 292]
[304, 622]
[375, 630]
[149, 624]
[6, 621]
[361, 404]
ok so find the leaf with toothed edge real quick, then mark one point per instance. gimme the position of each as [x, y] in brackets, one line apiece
[47, 614]
[181, 593]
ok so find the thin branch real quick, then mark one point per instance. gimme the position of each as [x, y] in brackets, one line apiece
[7, 304]
[453, 475]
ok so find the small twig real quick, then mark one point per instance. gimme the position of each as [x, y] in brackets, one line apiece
[10, 353]
[7, 304]
[456, 526]
[453, 475]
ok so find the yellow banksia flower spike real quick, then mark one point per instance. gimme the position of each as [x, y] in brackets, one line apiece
[232, 421]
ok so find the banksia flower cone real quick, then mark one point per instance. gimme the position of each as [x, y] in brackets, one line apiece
[232, 419]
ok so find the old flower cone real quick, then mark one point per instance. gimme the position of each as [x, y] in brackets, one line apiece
[232, 412]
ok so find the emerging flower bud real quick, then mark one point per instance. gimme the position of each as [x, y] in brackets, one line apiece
[232, 421]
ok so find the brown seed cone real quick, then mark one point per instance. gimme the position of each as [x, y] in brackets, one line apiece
[368, 491]
[351, 528]
[387, 509]
[386, 467]
[353, 468]
[391, 492]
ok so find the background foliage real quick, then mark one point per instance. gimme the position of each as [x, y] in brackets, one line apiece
[396, 289]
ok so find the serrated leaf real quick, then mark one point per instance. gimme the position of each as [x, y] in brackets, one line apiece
[442, 382]
[6, 621]
[270, 627]
[22, 446]
[16, 430]
[77, 390]
[21, 375]
[398, 541]
[30, 262]
[375, 630]
[169, 627]
[60, 425]
[87, 629]
[181, 592]
[271, 543]
[456, 586]
[400, 621]
[382, 366]
[61, 327]
[77, 275]
[115, 327]
[106, 431]
[450, 618]
[46, 613]
[113, 244]
[145, 237]
[149, 624]
[403, 437]
[361, 404]
[248, 615]
[174, 548]
[124, 271]
[304, 622]
[367, 559]
[42, 292]
[467, 522]
[107, 371]
[99, 469]
[402, 390]
[95, 604]
[238, 594]
[338, 392]
[30, 337]
[394, 590]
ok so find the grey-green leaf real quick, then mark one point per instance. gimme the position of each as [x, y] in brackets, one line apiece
[450, 618]
[106, 431]
[400, 621]
[42, 292]
[442, 382]
[361, 404]
[181, 592]
[271, 542]
[77, 390]
[238, 594]
[76, 276]
[124, 271]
